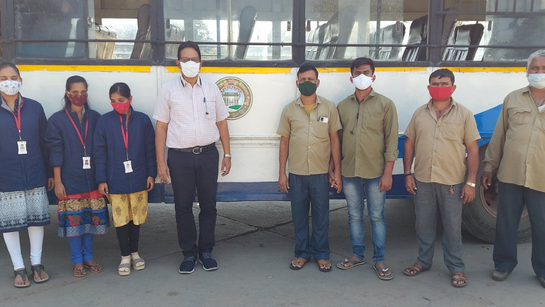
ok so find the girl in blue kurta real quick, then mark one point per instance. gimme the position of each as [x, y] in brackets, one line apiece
[82, 210]
[124, 152]
[23, 175]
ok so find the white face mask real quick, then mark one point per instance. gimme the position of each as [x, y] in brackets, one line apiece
[362, 82]
[10, 87]
[190, 69]
[537, 80]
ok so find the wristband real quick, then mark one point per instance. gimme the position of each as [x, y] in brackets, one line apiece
[227, 156]
[471, 184]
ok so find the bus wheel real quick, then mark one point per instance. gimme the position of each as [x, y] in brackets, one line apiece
[479, 216]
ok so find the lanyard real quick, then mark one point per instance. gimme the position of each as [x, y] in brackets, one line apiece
[77, 130]
[18, 118]
[125, 134]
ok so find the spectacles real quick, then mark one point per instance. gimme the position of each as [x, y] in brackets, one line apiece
[186, 59]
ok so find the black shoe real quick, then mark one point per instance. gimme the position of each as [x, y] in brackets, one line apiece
[188, 265]
[208, 264]
[499, 275]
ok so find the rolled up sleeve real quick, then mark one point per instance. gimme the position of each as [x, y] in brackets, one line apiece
[391, 130]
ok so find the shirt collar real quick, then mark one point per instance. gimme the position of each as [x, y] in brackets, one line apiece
[430, 103]
[300, 103]
[184, 83]
[372, 93]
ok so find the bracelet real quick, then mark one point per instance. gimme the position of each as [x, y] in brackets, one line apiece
[227, 156]
[471, 184]
[408, 174]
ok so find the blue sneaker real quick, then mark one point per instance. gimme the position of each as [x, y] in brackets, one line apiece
[208, 263]
[188, 265]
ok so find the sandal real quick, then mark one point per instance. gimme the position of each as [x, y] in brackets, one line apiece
[459, 280]
[414, 269]
[79, 271]
[93, 267]
[298, 263]
[324, 265]
[38, 268]
[24, 276]
[385, 270]
[124, 267]
[137, 262]
[353, 263]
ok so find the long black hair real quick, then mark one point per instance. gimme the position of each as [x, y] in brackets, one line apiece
[122, 88]
[10, 65]
[69, 82]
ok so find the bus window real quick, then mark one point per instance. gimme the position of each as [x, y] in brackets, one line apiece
[50, 20]
[244, 21]
[338, 22]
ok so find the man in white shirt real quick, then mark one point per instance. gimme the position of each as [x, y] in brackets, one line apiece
[191, 116]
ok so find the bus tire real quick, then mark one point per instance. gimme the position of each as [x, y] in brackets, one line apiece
[479, 216]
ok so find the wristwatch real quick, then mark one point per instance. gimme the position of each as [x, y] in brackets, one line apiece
[227, 155]
[471, 184]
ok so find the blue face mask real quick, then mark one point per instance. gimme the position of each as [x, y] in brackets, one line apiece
[307, 88]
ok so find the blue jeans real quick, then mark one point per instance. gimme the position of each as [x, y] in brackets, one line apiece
[81, 248]
[511, 201]
[355, 190]
[310, 192]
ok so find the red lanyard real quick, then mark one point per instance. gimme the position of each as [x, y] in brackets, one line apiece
[125, 134]
[77, 130]
[18, 118]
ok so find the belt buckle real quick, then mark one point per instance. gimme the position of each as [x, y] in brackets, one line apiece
[196, 150]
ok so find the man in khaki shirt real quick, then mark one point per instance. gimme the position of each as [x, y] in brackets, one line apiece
[308, 129]
[517, 152]
[369, 150]
[439, 133]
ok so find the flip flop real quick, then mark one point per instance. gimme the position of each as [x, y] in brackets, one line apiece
[303, 261]
[383, 271]
[341, 265]
[24, 275]
[93, 268]
[322, 265]
[38, 268]
[79, 272]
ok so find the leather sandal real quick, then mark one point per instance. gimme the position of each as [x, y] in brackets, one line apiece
[93, 267]
[79, 272]
[457, 278]
[24, 276]
[38, 268]
[414, 269]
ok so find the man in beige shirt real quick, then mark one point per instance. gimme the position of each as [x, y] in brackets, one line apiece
[517, 152]
[439, 133]
[308, 129]
[369, 150]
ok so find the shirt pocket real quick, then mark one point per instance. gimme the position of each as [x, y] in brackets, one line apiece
[453, 131]
[519, 116]
[321, 130]
[373, 121]
[210, 110]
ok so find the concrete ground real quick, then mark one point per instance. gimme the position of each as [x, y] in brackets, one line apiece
[254, 248]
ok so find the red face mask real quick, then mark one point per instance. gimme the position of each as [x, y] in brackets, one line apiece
[78, 100]
[121, 107]
[440, 93]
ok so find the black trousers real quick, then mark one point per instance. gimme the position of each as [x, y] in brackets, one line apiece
[189, 172]
[128, 236]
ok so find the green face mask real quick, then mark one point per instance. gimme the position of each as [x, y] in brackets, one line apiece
[307, 88]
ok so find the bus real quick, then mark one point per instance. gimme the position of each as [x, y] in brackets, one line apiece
[252, 49]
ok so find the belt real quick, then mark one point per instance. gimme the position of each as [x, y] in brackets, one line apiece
[197, 149]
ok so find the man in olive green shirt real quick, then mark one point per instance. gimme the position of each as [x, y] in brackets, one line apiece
[308, 129]
[517, 151]
[369, 150]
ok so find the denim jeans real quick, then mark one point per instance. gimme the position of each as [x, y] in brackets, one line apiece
[431, 199]
[310, 192]
[81, 248]
[511, 200]
[357, 189]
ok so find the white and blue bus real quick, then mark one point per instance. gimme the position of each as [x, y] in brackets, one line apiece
[252, 48]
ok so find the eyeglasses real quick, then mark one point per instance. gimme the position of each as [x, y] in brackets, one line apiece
[186, 59]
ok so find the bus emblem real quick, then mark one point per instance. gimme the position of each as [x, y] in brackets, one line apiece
[237, 96]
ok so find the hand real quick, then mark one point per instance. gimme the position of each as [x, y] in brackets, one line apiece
[468, 194]
[486, 180]
[331, 178]
[385, 183]
[60, 192]
[50, 184]
[338, 183]
[103, 188]
[283, 183]
[150, 183]
[410, 184]
[163, 172]
[225, 166]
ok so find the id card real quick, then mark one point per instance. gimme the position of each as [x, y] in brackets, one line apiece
[21, 147]
[323, 119]
[128, 166]
[86, 162]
